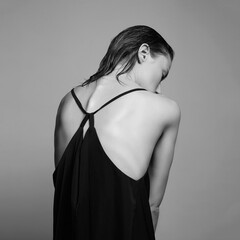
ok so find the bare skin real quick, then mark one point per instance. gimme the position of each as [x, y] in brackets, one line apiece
[137, 131]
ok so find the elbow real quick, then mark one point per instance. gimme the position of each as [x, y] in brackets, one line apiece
[157, 194]
[154, 207]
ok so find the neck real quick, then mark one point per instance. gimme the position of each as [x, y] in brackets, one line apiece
[126, 78]
[111, 81]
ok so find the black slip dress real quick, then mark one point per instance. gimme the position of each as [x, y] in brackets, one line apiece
[93, 198]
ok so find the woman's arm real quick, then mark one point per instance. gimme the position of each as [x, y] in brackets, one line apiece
[162, 158]
[155, 215]
[65, 127]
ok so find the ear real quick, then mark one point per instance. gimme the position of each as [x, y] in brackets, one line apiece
[143, 52]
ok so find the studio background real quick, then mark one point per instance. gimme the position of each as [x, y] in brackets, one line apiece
[48, 47]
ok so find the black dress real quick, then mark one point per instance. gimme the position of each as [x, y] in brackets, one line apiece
[93, 199]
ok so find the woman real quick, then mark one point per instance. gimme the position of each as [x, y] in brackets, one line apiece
[114, 143]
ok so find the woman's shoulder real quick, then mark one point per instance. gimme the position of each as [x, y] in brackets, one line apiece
[164, 107]
[67, 108]
[65, 101]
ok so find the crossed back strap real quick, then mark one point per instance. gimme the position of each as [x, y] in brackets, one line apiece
[105, 104]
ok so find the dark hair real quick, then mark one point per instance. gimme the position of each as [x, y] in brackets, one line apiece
[124, 48]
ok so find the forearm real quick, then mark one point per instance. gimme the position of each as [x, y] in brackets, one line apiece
[155, 215]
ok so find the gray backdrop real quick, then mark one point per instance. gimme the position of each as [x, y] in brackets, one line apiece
[47, 47]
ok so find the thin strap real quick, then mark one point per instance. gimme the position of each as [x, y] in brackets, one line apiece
[77, 101]
[105, 104]
[118, 96]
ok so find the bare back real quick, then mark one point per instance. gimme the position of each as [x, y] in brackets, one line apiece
[128, 128]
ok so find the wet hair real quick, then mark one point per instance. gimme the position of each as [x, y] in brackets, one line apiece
[124, 49]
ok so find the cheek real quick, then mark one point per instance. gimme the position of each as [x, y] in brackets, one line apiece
[148, 74]
[151, 75]
[156, 76]
[156, 73]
